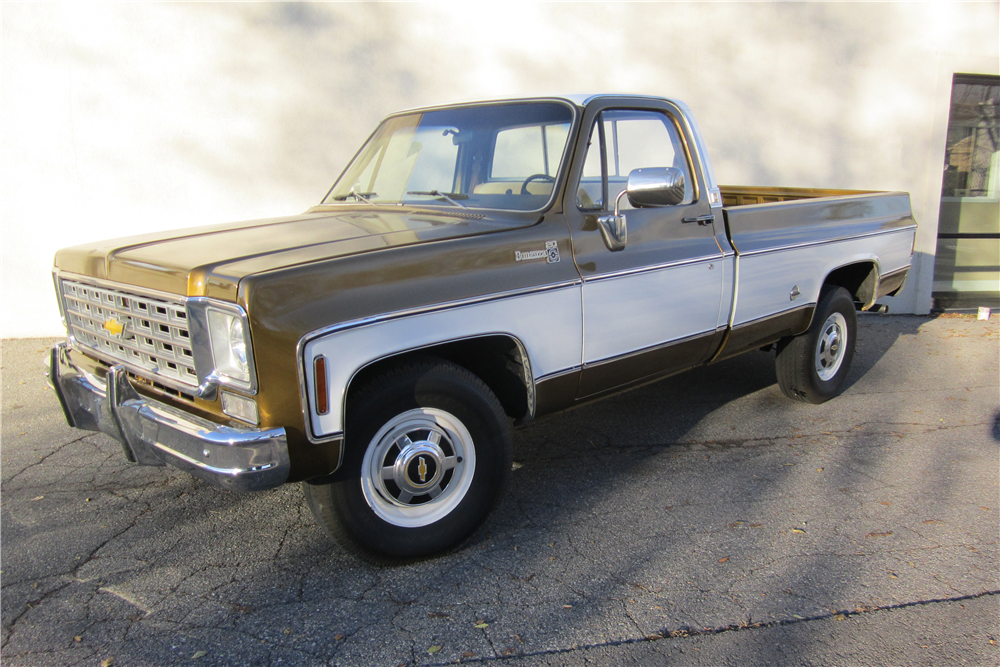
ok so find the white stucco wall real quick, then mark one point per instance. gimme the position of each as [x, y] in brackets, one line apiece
[125, 118]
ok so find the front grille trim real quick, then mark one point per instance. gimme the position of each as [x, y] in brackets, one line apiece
[156, 342]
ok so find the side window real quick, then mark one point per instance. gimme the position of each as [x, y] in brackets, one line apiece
[631, 140]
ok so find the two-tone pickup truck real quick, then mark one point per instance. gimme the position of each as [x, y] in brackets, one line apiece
[475, 267]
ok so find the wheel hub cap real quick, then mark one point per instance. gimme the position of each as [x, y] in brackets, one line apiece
[830, 347]
[418, 467]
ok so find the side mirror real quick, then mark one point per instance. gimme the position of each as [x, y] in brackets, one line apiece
[652, 186]
[655, 186]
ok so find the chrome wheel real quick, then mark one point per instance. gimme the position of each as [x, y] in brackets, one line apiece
[831, 346]
[813, 365]
[418, 467]
[428, 451]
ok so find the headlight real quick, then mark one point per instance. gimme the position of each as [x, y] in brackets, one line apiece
[238, 345]
[230, 351]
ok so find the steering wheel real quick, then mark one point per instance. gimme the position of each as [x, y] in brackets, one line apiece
[536, 177]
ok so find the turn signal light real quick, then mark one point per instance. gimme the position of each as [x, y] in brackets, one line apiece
[319, 381]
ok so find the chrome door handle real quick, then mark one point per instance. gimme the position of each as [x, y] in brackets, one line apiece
[702, 220]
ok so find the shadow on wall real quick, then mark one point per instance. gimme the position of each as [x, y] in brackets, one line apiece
[787, 94]
[801, 98]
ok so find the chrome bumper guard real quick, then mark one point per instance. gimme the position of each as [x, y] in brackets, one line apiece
[153, 433]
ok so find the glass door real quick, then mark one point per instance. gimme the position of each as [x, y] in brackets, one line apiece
[967, 267]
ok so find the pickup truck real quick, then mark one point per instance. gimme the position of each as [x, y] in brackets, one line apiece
[475, 267]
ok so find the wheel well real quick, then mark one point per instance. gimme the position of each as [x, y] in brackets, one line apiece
[497, 360]
[859, 279]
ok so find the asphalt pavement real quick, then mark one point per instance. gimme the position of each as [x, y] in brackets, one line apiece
[701, 520]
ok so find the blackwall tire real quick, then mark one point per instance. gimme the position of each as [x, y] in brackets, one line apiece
[813, 366]
[428, 454]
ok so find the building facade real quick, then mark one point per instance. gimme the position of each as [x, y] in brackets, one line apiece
[120, 119]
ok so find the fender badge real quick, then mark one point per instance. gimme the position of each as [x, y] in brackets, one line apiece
[550, 254]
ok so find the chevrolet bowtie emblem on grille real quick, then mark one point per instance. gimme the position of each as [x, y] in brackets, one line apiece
[422, 469]
[115, 328]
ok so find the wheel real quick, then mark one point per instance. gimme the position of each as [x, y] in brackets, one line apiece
[535, 177]
[428, 453]
[812, 367]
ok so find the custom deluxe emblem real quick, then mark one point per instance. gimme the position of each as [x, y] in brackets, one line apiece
[550, 254]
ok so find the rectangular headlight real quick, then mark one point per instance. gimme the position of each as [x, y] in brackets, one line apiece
[230, 342]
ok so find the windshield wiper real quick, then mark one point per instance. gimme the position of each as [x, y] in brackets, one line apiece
[450, 196]
[360, 196]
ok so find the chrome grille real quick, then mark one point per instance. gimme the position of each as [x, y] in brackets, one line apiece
[155, 341]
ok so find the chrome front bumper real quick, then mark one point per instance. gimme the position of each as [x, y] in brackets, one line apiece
[153, 433]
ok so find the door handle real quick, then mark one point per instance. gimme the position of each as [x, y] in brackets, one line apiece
[702, 220]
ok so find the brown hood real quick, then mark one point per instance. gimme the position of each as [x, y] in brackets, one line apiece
[210, 261]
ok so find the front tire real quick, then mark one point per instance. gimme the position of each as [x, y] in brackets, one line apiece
[429, 450]
[813, 366]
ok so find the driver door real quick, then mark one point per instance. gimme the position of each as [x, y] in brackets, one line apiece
[651, 307]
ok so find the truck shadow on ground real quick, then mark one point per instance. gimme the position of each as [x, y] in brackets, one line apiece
[615, 518]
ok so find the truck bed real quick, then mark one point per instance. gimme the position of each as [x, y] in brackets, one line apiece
[746, 195]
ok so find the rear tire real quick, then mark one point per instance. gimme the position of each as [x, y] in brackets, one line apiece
[429, 450]
[813, 366]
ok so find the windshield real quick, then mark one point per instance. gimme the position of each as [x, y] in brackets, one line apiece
[504, 156]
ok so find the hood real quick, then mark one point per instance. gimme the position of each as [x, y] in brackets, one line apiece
[210, 261]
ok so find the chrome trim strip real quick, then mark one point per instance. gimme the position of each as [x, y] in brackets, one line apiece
[839, 239]
[895, 272]
[651, 348]
[529, 378]
[306, 407]
[650, 269]
[204, 353]
[433, 308]
[525, 362]
[701, 154]
[736, 289]
[59, 299]
[558, 374]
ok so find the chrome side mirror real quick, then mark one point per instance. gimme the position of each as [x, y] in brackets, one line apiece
[651, 186]
[655, 186]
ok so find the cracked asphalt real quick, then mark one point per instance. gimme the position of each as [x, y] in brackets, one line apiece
[701, 520]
